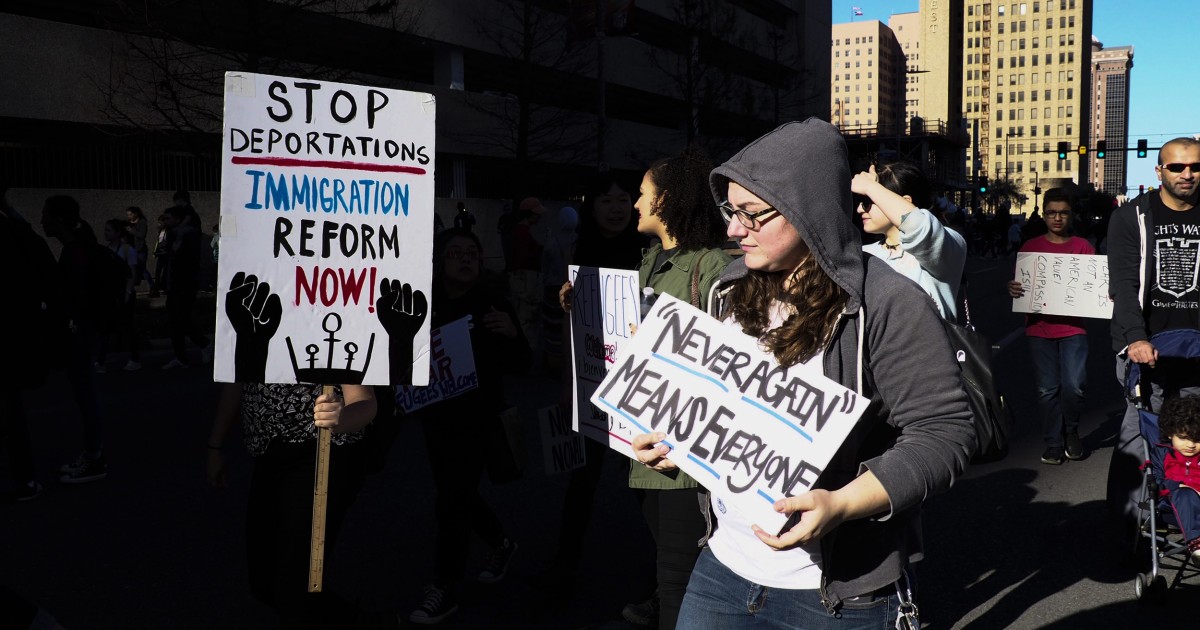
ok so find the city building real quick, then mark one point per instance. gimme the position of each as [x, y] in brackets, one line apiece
[1110, 122]
[867, 76]
[907, 28]
[1026, 85]
[122, 100]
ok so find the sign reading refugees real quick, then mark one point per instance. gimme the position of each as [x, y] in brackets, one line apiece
[749, 430]
[562, 448]
[451, 367]
[326, 206]
[604, 302]
[1063, 284]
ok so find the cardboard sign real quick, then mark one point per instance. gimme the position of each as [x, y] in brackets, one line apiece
[604, 302]
[562, 449]
[451, 368]
[1063, 284]
[326, 222]
[750, 431]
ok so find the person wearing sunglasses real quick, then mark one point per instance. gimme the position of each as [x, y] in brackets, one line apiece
[893, 202]
[1058, 344]
[805, 289]
[1153, 258]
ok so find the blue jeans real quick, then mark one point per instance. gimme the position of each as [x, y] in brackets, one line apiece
[1060, 369]
[719, 599]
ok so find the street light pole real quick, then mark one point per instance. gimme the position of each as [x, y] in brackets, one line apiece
[1037, 191]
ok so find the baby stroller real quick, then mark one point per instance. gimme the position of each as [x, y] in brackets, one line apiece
[1156, 519]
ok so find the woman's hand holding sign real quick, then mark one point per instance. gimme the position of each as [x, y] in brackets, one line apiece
[821, 511]
[254, 312]
[401, 311]
[651, 452]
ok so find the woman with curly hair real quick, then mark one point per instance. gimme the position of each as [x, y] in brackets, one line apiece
[675, 207]
[807, 292]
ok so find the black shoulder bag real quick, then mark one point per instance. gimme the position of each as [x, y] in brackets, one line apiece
[989, 411]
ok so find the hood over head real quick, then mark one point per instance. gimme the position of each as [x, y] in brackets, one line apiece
[802, 170]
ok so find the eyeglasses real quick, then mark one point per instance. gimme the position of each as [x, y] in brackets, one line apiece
[748, 219]
[458, 254]
[1062, 213]
[1176, 167]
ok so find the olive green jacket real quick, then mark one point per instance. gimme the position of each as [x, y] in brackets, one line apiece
[675, 278]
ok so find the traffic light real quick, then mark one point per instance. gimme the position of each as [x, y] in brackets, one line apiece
[1083, 149]
[1101, 145]
[1141, 150]
[983, 186]
[1062, 150]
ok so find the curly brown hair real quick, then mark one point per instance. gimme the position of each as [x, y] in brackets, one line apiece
[685, 204]
[815, 302]
[1180, 417]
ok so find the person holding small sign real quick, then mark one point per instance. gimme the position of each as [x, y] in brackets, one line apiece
[894, 204]
[1057, 343]
[807, 291]
[464, 434]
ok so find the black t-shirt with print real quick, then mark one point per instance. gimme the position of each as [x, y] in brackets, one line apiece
[1174, 300]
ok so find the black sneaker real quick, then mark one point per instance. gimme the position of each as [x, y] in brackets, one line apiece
[79, 462]
[1053, 455]
[29, 491]
[437, 606]
[644, 614]
[498, 562]
[1074, 450]
[92, 470]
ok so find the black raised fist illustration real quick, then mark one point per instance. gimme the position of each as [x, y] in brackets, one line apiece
[401, 311]
[254, 313]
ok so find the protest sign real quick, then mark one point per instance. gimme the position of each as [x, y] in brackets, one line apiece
[1063, 284]
[562, 448]
[451, 368]
[326, 213]
[604, 302]
[749, 430]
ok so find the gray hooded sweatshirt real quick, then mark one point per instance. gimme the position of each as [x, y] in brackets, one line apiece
[916, 435]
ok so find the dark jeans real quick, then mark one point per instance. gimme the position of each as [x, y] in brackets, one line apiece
[14, 432]
[124, 329]
[719, 599]
[677, 525]
[577, 507]
[180, 304]
[1060, 369]
[82, 379]
[1185, 502]
[458, 458]
[279, 530]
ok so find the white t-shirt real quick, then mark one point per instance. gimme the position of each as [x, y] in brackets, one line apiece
[736, 546]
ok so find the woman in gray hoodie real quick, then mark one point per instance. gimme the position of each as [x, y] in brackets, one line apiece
[807, 291]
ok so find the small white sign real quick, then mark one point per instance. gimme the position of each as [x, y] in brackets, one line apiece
[750, 431]
[604, 302]
[451, 368]
[1063, 284]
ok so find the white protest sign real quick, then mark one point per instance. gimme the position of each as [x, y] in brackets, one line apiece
[326, 223]
[562, 448]
[1063, 284]
[750, 431]
[451, 367]
[604, 302]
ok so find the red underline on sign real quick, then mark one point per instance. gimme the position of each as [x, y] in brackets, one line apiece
[349, 166]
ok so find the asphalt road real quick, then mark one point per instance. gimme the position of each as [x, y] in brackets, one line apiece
[1016, 544]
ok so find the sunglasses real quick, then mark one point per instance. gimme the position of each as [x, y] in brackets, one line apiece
[1176, 167]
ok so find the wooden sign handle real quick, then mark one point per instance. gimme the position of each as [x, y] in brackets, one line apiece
[316, 556]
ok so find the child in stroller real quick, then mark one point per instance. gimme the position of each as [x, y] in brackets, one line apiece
[1178, 452]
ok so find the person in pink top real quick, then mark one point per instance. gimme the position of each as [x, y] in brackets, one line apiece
[1058, 344]
[1179, 426]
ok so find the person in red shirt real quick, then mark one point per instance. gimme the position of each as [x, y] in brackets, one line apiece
[1179, 425]
[1057, 343]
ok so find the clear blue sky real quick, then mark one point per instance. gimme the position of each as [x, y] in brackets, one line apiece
[1164, 91]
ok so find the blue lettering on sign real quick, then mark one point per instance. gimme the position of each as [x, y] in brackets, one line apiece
[283, 193]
